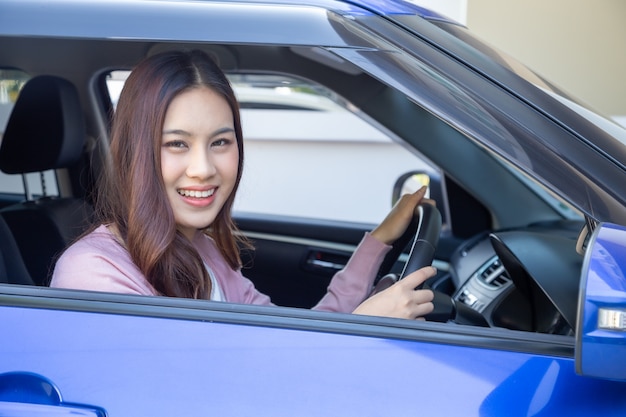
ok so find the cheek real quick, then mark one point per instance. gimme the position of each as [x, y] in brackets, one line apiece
[169, 168]
[230, 165]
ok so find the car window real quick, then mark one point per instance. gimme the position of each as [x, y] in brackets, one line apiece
[32, 184]
[309, 153]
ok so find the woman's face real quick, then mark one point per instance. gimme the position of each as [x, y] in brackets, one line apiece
[199, 157]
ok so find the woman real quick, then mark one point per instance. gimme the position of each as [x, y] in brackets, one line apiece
[164, 224]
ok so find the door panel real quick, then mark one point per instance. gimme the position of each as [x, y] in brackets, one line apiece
[158, 361]
[294, 259]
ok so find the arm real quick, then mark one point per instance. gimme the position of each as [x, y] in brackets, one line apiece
[353, 284]
[401, 300]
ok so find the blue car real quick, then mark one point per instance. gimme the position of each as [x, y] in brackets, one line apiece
[530, 188]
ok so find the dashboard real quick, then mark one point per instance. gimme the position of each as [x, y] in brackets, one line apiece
[522, 279]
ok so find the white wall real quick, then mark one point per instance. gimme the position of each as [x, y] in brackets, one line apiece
[580, 45]
[320, 184]
[454, 9]
[333, 164]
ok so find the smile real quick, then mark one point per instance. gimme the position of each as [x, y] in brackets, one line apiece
[195, 193]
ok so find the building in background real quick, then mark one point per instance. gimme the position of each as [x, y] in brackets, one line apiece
[577, 44]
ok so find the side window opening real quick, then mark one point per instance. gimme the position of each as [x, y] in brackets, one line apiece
[16, 187]
[308, 153]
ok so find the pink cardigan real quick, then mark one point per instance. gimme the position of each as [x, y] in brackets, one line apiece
[97, 262]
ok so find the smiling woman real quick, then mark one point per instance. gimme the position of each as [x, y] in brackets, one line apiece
[134, 201]
[199, 158]
[164, 222]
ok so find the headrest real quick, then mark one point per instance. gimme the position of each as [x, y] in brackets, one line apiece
[46, 129]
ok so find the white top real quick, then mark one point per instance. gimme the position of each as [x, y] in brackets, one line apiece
[216, 291]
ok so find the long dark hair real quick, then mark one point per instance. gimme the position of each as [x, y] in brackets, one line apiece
[132, 196]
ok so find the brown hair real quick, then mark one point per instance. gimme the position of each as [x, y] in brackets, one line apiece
[132, 196]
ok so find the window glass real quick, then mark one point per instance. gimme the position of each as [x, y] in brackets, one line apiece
[11, 83]
[308, 153]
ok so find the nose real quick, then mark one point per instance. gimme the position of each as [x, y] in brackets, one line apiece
[200, 164]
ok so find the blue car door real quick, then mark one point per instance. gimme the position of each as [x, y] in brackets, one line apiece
[127, 355]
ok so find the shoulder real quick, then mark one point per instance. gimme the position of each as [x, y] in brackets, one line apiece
[100, 239]
[97, 247]
[98, 262]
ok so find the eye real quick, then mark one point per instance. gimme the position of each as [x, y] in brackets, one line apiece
[175, 144]
[221, 142]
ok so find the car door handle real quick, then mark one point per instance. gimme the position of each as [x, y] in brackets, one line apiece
[25, 394]
[318, 263]
[326, 261]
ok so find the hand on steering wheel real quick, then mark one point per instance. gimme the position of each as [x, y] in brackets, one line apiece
[424, 228]
[406, 299]
[400, 219]
[401, 300]
[423, 232]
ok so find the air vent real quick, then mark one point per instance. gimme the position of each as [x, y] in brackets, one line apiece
[493, 274]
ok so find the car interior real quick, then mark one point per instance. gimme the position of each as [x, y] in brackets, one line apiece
[46, 117]
[60, 122]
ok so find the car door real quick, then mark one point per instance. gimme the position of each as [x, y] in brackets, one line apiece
[124, 355]
[115, 355]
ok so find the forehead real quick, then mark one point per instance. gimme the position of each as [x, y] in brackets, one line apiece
[199, 105]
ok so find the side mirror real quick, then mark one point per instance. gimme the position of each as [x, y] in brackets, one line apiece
[601, 321]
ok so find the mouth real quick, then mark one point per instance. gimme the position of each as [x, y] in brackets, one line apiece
[196, 193]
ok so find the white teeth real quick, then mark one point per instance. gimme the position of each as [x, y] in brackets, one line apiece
[196, 194]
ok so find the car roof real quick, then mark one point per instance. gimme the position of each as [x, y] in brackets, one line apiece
[139, 18]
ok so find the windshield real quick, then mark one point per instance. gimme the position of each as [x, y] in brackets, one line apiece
[500, 105]
[492, 56]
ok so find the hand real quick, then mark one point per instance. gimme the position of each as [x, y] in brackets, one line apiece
[402, 300]
[398, 219]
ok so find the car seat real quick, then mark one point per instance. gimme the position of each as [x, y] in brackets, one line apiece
[12, 268]
[45, 131]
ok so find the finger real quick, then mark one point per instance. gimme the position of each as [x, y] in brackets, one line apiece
[417, 196]
[423, 296]
[414, 279]
[421, 192]
[423, 309]
[410, 201]
[399, 218]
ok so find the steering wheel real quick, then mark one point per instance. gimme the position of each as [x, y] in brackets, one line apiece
[426, 233]
[425, 228]
[423, 234]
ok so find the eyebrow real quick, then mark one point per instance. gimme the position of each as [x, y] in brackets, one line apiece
[185, 133]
